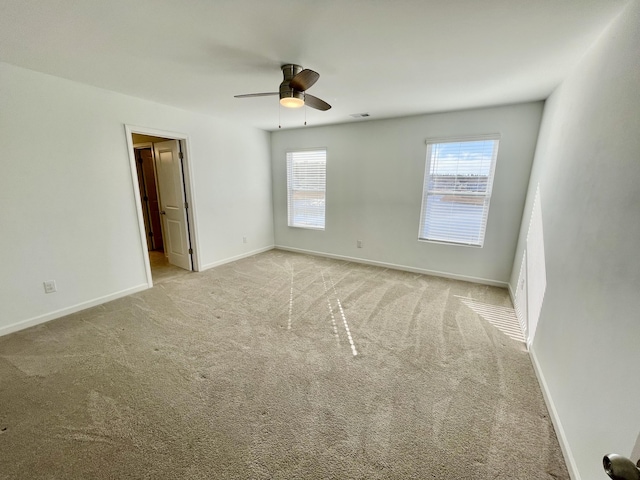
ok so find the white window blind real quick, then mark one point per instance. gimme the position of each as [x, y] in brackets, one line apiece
[457, 190]
[306, 182]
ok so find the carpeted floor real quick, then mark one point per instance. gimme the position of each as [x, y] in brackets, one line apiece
[278, 366]
[162, 270]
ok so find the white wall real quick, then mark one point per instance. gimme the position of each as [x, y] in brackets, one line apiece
[68, 211]
[375, 174]
[587, 345]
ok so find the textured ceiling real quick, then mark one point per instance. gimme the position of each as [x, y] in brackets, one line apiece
[386, 58]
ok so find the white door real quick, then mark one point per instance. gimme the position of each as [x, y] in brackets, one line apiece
[172, 203]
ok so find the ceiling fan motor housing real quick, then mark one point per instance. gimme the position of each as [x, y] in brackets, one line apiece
[289, 71]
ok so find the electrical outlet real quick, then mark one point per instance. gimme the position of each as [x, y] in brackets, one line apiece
[244, 239]
[359, 243]
[50, 286]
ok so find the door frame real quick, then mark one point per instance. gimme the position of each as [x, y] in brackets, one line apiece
[188, 193]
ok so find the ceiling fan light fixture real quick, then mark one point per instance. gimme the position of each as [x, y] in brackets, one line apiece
[291, 102]
[290, 97]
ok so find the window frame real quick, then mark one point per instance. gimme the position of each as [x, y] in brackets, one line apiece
[290, 206]
[430, 142]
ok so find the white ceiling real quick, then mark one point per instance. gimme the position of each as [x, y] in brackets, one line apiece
[388, 58]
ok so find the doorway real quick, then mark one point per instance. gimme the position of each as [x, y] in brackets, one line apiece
[147, 186]
[163, 192]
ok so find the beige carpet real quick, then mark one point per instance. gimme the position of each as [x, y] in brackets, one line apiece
[277, 366]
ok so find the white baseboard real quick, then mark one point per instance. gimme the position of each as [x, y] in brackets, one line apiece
[406, 268]
[237, 257]
[555, 419]
[31, 322]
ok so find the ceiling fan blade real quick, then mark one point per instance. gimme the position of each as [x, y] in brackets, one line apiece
[304, 80]
[315, 102]
[248, 95]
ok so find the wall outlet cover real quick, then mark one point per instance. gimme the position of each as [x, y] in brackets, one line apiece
[50, 286]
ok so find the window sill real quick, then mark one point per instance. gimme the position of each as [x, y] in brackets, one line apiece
[452, 244]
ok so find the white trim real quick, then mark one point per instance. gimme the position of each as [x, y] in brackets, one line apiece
[464, 138]
[305, 149]
[138, 201]
[435, 273]
[187, 168]
[237, 257]
[189, 191]
[155, 132]
[451, 244]
[30, 322]
[555, 419]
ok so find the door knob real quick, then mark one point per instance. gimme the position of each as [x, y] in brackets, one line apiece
[620, 468]
[162, 212]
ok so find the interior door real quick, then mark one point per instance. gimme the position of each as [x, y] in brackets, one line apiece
[172, 203]
[143, 196]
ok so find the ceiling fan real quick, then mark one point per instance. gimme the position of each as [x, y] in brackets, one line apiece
[293, 89]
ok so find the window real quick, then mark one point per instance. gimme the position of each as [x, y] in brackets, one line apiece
[306, 180]
[457, 190]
